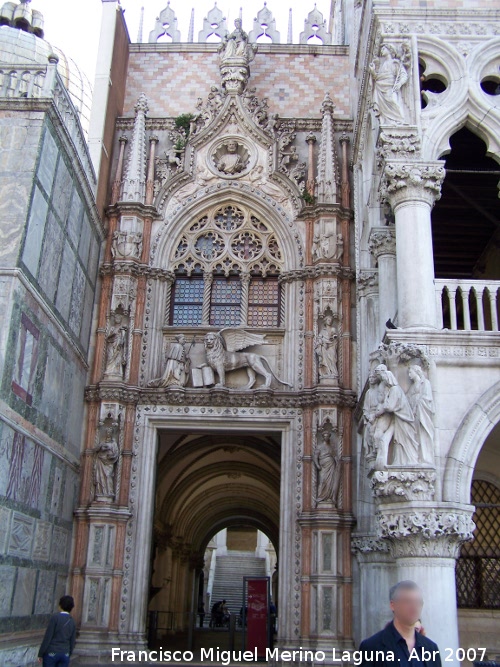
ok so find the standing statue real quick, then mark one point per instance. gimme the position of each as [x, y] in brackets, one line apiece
[394, 423]
[389, 73]
[106, 456]
[325, 346]
[116, 346]
[370, 405]
[177, 369]
[235, 44]
[328, 467]
[422, 404]
[235, 54]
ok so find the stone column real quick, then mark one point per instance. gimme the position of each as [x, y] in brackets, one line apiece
[411, 190]
[376, 576]
[382, 245]
[117, 183]
[150, 180]
[425, 539]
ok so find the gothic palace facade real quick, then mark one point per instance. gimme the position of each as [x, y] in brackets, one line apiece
[257, 284]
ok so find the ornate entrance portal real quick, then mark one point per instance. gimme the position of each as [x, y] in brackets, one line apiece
[207, 482]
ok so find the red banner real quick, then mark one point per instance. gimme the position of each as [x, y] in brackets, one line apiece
[257, 615]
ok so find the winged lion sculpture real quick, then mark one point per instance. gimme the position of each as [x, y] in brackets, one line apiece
[223, 354]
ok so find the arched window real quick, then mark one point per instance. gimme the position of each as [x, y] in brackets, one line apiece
[478, 567]
[227, 267]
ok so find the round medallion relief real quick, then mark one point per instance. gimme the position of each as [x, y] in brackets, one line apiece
[230, 158]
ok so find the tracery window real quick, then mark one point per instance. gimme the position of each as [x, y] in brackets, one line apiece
[227, 266]
[478, 567]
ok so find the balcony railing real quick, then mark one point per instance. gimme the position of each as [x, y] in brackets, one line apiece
[468, 305]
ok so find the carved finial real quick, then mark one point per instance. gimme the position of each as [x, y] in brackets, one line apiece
[290, 31]
[191, 27]
[327, 159]
[141, 27]
[315, 27]
[135, 175]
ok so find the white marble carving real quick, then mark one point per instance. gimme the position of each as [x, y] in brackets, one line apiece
[106, 456]
[328, 465]
[422, 404]
[394, 423]
[389, 72]
[116, 346]
[326, 348]
[235, 54]
[126, 244]
[231, 158]
[177, 367]
[223, 354]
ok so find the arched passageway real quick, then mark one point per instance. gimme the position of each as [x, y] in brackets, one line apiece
[207, 483]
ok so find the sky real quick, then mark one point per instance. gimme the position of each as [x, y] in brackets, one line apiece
[74, 26]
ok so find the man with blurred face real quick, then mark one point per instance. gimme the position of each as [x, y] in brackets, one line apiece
[401, 643]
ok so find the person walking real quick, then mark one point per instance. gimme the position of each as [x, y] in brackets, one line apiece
[59, 640]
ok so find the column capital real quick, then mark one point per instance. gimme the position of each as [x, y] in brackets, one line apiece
[420, 530]
[382, 241]
[405, 182]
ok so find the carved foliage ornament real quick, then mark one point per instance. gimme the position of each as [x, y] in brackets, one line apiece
[419, 181]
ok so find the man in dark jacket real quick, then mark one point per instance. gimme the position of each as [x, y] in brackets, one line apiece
[59, 640]
[400, 644]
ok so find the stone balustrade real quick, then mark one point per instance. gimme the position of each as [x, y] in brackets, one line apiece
[27, 81]
[469, 305]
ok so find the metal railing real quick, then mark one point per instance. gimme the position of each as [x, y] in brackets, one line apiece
[468, 305]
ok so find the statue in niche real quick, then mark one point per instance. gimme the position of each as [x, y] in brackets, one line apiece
[327, 462]
[106, 456]
[223, 354]
[258, 180]
[370, 406]
[394, 423]
[230, 161]
[422, 405]
[116, 345]
[325, 346]
[389, 73]
[235, 45]
[177, 368]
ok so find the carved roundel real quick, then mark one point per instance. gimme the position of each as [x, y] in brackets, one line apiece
[231, 157]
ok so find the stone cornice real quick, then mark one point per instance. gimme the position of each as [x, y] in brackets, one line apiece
[317, 271]
[119, 392]
[207, 47]
[301, 124]
[133, 208]
[135, 269]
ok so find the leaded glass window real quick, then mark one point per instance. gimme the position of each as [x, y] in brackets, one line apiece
[225, 305]
[264, 302]
[210, 258]
[188, 301]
